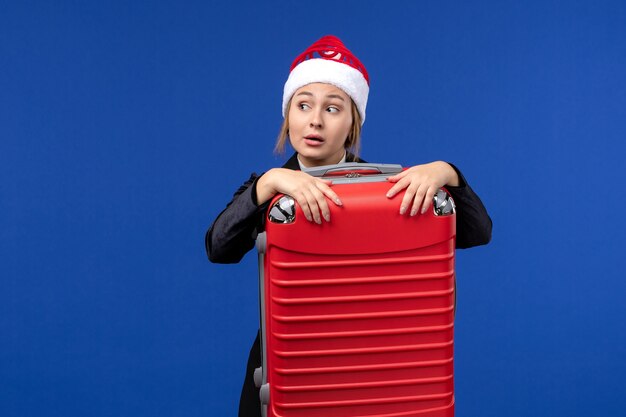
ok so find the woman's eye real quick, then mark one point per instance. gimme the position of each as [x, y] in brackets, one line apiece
[304, 106]
[332, 110]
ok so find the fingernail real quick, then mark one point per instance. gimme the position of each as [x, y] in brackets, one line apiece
[423, 210]
[413, 212]
[338, 202]
[307, 217]
[318, 221]
[402, 210]
[327, 217]
[388, 195]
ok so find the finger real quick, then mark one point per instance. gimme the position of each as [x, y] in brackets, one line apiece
[397, 187]
[304, 205]
[322, 203]
[408, 197]
[397, 177]
[315, 211]
[330, 194]
[429, 198]
[417, 200]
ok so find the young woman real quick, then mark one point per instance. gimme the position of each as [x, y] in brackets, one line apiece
[324, 104]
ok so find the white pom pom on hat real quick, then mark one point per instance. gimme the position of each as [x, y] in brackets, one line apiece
[329, 61]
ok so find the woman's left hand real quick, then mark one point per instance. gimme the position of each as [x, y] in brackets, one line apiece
[421, 183]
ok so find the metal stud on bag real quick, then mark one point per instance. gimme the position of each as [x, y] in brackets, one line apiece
[283, 211]
[443, 204]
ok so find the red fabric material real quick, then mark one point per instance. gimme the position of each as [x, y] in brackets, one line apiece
[329, 47]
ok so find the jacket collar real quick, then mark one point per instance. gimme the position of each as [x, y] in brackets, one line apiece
[292, 163]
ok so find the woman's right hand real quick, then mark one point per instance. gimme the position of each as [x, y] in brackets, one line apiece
[310, 192]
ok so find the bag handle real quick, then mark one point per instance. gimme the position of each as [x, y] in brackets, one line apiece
[347, 168]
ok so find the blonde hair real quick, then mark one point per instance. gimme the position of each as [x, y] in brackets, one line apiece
[353, 141]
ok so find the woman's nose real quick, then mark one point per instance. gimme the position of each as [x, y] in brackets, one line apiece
[316, 120]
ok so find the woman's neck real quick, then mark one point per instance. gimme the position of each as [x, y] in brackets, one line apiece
[303, 165]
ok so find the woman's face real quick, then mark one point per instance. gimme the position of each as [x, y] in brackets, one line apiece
[320, 118]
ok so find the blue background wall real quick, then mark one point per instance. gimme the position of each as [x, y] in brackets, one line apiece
[120, 126]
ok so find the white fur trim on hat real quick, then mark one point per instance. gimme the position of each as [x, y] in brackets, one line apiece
[328, 71]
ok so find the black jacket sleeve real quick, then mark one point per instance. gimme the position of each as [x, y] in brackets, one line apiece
[232, 234]
[473, 224]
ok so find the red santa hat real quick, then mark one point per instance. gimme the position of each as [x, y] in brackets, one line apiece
[329, 61]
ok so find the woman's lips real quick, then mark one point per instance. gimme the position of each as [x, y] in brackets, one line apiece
[313, 140]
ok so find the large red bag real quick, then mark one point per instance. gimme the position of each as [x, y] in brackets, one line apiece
[357, 315]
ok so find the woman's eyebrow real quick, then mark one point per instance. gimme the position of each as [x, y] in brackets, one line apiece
[306, 93]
